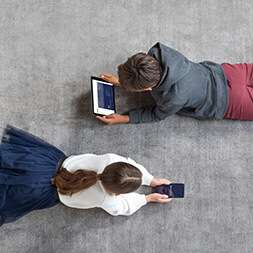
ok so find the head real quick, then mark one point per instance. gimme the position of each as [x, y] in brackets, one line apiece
[141, 72]
[116, 178]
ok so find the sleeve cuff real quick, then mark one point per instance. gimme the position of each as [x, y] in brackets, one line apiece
[143, 200]
[147, 179]
[134, 117]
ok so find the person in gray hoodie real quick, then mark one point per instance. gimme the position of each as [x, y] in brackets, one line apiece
[204, 90]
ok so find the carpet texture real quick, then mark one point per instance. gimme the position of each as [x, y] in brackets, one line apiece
[49, 49]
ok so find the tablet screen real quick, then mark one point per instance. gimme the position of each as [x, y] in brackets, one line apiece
[103, 97]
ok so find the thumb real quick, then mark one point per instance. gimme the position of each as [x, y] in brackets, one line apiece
[165, 200]
[105, 76]
[164, 196]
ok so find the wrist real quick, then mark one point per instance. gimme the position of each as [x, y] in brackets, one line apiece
[125, 118]
[154, 182]
[148, 198]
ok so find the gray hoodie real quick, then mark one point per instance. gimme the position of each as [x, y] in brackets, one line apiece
[197, 90]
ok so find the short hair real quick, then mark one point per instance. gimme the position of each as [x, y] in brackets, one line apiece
[139, 72]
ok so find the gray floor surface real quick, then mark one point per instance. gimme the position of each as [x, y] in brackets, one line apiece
[49, 49]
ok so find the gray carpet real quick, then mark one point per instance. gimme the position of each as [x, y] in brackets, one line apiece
[48, 51]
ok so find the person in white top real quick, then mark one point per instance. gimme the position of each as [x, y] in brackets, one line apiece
[36, 175]
[106, 181]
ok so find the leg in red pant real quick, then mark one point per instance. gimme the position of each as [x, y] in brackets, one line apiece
[240, 91]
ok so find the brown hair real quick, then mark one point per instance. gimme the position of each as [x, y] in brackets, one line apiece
[139, 72]
[117, 178]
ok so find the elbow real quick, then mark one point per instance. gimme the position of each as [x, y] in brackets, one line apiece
[118, 213]
[114, 214]
[160, 116]
[162, 113]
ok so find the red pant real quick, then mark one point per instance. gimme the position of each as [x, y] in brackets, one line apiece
[240, 91]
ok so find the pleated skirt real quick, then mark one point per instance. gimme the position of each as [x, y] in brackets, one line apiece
[27, 165]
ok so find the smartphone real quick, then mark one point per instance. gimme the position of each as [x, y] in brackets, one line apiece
[173, 190]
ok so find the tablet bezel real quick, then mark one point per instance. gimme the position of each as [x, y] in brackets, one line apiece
[92, 94]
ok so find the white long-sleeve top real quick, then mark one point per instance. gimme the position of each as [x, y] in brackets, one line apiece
[96, 195]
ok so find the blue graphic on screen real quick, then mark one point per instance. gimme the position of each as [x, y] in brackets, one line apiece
[105, 96]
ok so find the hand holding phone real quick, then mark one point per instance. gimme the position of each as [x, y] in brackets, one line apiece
[158, 198]
[173, 190]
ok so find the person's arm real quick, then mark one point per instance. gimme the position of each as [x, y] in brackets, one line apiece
[124, 204]
[153, 113]
[142, 115]
[129, 203]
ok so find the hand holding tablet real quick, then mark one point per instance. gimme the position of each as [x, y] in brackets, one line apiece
[110, 79]
[114, 119]
[103, 100]
[103, 97]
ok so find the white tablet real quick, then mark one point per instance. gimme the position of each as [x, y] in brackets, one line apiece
[103, 97]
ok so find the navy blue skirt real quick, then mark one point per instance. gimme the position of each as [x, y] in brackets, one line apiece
[27, 165]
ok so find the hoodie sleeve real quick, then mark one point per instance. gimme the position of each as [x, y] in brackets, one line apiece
[153, 113]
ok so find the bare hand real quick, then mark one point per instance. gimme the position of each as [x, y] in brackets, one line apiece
[110, 78]
[159, 181]
[114, 119]
[158, 198]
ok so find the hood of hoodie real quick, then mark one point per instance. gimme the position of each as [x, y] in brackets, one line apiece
[174, 65]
